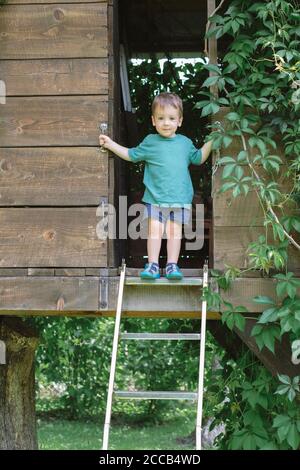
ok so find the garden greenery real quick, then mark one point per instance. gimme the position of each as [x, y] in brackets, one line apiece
[258, 80]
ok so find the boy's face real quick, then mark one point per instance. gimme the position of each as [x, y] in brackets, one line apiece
[166, 120]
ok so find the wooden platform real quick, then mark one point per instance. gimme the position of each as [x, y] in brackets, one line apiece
[68, 292]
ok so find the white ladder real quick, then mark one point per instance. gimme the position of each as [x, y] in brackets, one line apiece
[158, 395]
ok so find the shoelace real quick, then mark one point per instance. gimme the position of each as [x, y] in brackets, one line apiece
[152, 268]
[172, 267]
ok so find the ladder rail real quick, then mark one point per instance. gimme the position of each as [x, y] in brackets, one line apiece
[201, 364]
[113, 360]
[157, 395]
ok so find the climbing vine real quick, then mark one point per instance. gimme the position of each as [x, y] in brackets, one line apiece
[258, 81]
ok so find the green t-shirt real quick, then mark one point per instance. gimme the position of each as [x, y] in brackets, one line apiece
[167, 178]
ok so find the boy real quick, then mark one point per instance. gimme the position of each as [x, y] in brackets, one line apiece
[169, 190]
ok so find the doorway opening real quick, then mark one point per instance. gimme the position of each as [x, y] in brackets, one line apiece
[161, 48]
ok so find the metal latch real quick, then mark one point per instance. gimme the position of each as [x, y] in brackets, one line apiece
[103, 293]
[2, 352]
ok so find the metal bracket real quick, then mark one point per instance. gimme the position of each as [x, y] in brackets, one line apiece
[103, 293]
[2, 352]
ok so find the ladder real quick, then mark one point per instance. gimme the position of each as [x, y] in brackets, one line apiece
[158, 395]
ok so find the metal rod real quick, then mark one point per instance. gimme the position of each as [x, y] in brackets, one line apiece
[113, 360]
[201, 364]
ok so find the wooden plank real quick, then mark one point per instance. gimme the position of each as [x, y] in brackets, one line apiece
[243, 290]
[25, 2]
[70, 272]
[74, 296]
[114, 106]
[50, 121]
[105, 313]
[230, 244]
[30, 293]
[53, 31]
[102, 272]
[55, 77]
[12, 272]
[40, 272]
[54, 176]
[245, 210]
[55, 294]
[212, 46]
[45, 237]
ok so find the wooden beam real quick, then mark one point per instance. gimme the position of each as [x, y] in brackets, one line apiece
[51, 237]
[243, 290]
[230, 244]
[51, 121]
[53, 31]
[55, 77]
[246, 210]
[24, 2]
[53, 176]
[39, 295]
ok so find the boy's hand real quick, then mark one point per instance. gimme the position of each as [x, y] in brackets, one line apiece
[104, 140]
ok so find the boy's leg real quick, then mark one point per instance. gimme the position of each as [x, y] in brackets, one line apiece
[174, 235]
[155, 233]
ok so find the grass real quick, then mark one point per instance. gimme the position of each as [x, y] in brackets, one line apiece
[60, 434]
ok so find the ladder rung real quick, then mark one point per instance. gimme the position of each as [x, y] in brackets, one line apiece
[147, 395]
[186, 281]
[161, 336]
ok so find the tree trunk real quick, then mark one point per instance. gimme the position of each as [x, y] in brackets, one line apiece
[17, 397]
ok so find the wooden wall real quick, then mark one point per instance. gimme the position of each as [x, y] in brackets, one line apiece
[54, 59]
[239, 221]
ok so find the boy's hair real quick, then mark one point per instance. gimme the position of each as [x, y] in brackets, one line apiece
[165, 99]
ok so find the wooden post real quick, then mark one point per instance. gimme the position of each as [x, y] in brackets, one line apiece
[212, 45]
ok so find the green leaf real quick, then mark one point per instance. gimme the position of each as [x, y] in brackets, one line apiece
[207, 110]
[285, 379]
[240, 322]
[233, 116]
[293, 437]
[227, 141]
[211, 81]
[226, 159]
[263, 299]
[228, 169]
[213, 68]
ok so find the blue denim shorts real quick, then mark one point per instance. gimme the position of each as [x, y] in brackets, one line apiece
[180, 215]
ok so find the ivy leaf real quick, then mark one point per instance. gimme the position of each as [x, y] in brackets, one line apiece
[227, 141]
[228, 169]
[263, 299]
[210, 81]
[233, 116]
[293, 437]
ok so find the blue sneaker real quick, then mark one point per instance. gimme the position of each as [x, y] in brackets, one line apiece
[173, 272]
[151, 271]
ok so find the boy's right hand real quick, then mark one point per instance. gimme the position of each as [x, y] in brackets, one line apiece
[104, 140]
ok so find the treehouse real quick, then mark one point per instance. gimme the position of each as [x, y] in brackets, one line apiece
[63, 65]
